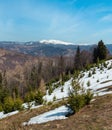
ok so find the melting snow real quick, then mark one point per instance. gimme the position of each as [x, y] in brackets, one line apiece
[57, 92]
[56, 114]
[100, 80]
[2, 115]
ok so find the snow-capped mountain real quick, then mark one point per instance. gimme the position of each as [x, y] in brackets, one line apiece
[55, 42]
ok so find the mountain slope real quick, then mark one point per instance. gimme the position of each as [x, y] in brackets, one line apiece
[11, 59]
[92, 117]
[95, 116]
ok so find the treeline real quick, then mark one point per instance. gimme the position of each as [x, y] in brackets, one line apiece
[84, 59]
[32, 83]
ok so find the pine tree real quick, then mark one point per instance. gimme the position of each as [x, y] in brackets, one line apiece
[78, 64]
[95, 55]
[102, 50]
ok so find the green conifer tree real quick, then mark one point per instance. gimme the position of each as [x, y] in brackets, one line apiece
[102, 50]
[78, 64]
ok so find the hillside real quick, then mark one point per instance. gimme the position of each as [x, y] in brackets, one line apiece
[11, 59]
[97, 115]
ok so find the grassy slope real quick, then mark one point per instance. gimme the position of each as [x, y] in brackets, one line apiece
[97, 116]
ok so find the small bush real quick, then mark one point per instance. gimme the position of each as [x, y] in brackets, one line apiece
[30, 96]
[38, 98]
[76, 74]
[49, 103]
[88, 67]
[18, 104]
[101, 68]
[65, 78]
[62, 83]
[11, 105]
[8, 105]
[97, 80]
[78, 98]
[50, 90]
[94, 71]
[1, 108]
[62, 89]
[55, 86]
[76, 102]
[87, 97]
[89, 75]
[88, 83]
[98, 66]
[54, 98]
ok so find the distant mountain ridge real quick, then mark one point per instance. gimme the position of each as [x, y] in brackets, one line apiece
[46, 47]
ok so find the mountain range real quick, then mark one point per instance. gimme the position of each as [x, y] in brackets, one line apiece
[47, 47]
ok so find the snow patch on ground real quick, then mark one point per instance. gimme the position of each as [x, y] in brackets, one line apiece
[57, 92]
[99, 80]
[2, 115]
[56, 114]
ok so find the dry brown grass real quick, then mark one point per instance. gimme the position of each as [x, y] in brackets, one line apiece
[96, 116]
[15, 122]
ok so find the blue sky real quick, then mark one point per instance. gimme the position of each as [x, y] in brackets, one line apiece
[77, 21]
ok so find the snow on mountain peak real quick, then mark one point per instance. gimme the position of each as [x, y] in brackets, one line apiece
[55, 42]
